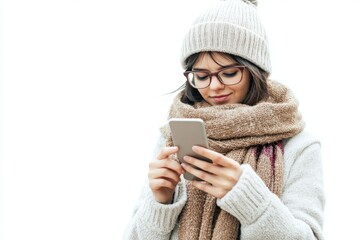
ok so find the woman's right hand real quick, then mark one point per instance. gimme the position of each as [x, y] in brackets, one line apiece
[164, 175]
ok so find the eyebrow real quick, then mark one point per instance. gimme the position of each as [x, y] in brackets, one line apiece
[221, 67]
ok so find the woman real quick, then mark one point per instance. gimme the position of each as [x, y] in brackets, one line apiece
[265, 179]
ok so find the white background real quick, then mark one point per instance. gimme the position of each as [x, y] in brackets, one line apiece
[82, 84]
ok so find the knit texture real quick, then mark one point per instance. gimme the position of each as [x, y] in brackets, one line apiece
[257, 141]
[231, 26]
[299, 213]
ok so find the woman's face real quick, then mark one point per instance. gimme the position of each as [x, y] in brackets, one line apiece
[218, 93]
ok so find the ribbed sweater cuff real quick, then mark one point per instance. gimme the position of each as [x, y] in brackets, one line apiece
[248, 199]
[162, 217]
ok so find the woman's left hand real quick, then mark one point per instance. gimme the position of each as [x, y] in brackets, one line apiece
[219, 177]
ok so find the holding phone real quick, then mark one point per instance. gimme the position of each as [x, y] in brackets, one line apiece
[186, 133]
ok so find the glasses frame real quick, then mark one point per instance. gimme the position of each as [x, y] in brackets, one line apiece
[216, 74]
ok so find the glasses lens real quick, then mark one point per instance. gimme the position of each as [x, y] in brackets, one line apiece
[230, 76]
[199, 79]
[202, 79]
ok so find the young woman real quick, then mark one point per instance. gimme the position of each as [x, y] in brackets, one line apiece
[265, 179]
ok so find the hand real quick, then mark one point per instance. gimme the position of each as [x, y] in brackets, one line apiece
[164, 174]
[219, 177]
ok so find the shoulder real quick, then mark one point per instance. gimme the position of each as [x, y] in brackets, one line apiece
[301, 153]
[298, 143]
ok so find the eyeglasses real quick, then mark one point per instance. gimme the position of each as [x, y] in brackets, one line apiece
[230, 75]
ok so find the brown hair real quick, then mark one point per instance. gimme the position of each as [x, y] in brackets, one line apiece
[258, 85]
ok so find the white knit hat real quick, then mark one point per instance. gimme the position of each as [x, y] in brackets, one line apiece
[231, 26]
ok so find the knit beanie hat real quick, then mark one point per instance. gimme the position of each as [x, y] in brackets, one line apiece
[231, 26]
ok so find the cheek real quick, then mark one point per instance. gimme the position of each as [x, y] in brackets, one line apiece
[242, 91]
[203, 92]
[239, 96]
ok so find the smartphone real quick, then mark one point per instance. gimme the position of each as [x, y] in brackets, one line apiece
[186, 133]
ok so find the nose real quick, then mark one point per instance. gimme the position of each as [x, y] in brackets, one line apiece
[215, 83]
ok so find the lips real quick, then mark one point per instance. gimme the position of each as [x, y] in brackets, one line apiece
[220, 99]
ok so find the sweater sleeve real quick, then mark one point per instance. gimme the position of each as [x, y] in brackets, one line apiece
[299, 212]
[153, 220]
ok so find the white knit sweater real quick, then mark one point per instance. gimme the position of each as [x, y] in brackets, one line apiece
[298, 214]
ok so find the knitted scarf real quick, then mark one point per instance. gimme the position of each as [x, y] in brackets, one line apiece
[247, 134]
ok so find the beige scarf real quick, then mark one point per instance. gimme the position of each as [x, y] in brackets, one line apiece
[247, 134]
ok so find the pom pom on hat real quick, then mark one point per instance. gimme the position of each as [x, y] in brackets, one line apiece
[252, 1]
[233, 27]
[248, 1]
